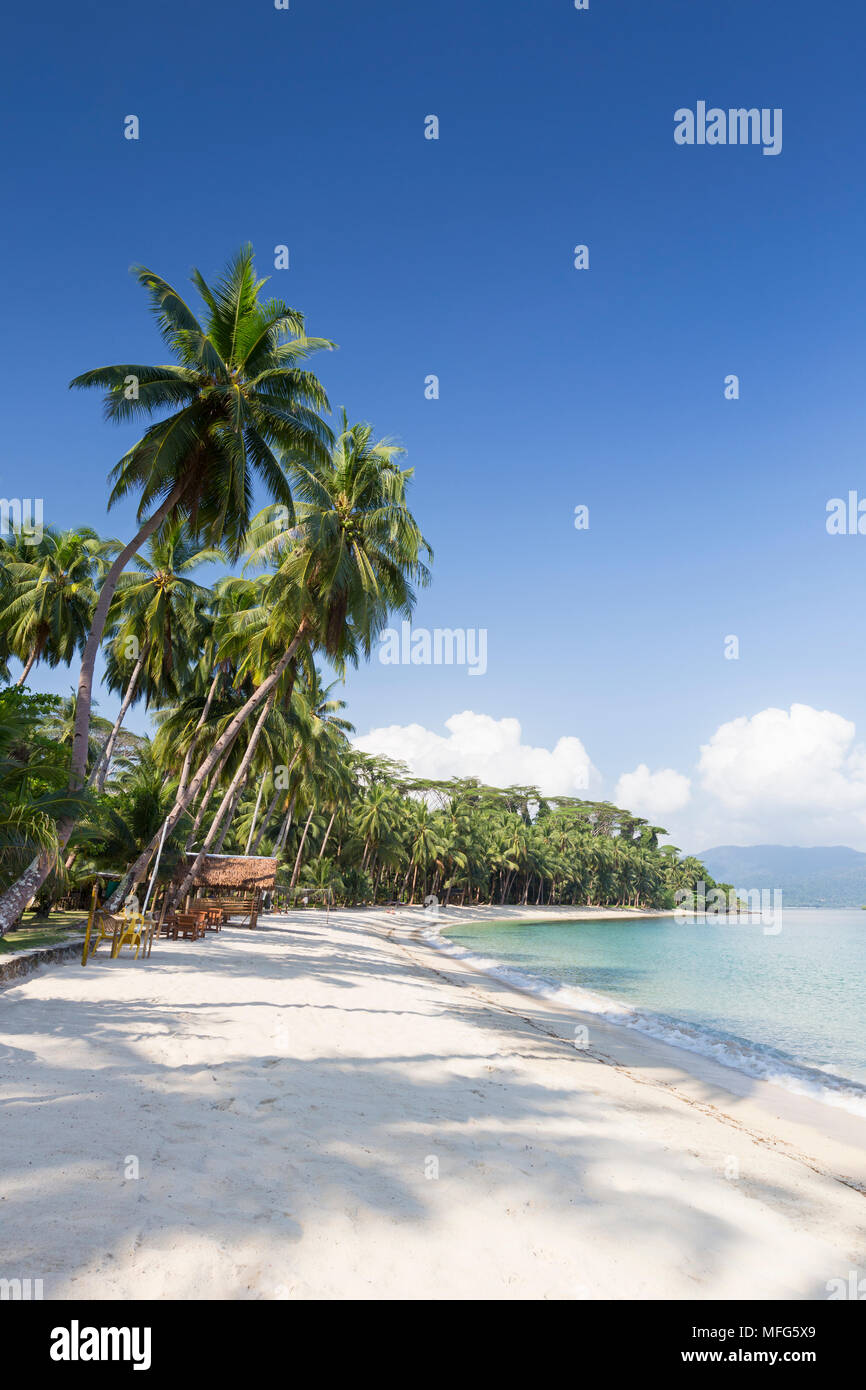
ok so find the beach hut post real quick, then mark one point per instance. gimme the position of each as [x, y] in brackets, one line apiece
[90, 917]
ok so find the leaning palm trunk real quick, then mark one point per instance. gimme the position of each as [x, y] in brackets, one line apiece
[29, 884]
[203, 804]
[255, 814]
[229, 815]
[327, 833]
[187, 762]
[287, 823]
[272, 805]
[28, 666]
[281, 838]
[103, 762]
[297, 868]
[228, 803]
[136, 871]
[24, 888]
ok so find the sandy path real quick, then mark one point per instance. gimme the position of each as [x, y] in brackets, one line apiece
[285, 1094]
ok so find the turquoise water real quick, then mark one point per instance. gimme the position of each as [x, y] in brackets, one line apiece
[788, 1007]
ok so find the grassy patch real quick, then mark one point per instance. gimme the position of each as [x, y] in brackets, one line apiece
[50, 931]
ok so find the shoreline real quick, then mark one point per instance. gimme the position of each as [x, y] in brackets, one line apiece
[826, 1088]
[799, 1120]
[337, 1110]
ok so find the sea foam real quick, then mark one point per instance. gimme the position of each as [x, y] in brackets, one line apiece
[753, 1059]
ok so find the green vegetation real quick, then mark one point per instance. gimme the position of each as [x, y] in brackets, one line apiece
[65, 926]
[251, 752]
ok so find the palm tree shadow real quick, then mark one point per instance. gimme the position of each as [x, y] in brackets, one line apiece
[149, 1131]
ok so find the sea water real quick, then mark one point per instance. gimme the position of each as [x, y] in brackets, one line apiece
[788, 1006]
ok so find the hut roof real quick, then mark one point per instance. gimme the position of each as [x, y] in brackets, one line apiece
[236, 871]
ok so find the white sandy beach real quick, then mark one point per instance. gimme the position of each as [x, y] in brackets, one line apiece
[288, 1096]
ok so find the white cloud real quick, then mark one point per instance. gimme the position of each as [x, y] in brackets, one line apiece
[791, 776]
[652, 794]
[491, 749]
[801, 756]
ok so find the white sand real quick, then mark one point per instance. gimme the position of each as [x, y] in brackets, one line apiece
[286, 1091]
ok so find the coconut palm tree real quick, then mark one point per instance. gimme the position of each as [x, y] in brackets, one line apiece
[59, 726]
[316, 717]
[215, 673]
[328, 783]
[110, 834]
[226, 809]
[50, 595]
[352, 559]
[154, 624]
[236, 392]
[33, 775]
[425, 842]
[322, 877]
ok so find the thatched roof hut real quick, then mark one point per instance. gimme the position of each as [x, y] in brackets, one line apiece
[237, 872]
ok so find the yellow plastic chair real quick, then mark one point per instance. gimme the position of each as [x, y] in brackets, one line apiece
[101, 926]
[128, 928]
[131, 932]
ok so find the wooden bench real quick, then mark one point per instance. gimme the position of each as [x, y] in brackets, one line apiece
[245, 908]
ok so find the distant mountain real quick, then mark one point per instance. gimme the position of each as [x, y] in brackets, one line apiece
[833, 876]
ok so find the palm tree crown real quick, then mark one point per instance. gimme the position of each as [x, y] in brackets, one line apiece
[50, 592]
[237, 393]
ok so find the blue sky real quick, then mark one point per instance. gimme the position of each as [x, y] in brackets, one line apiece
[558, 387]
